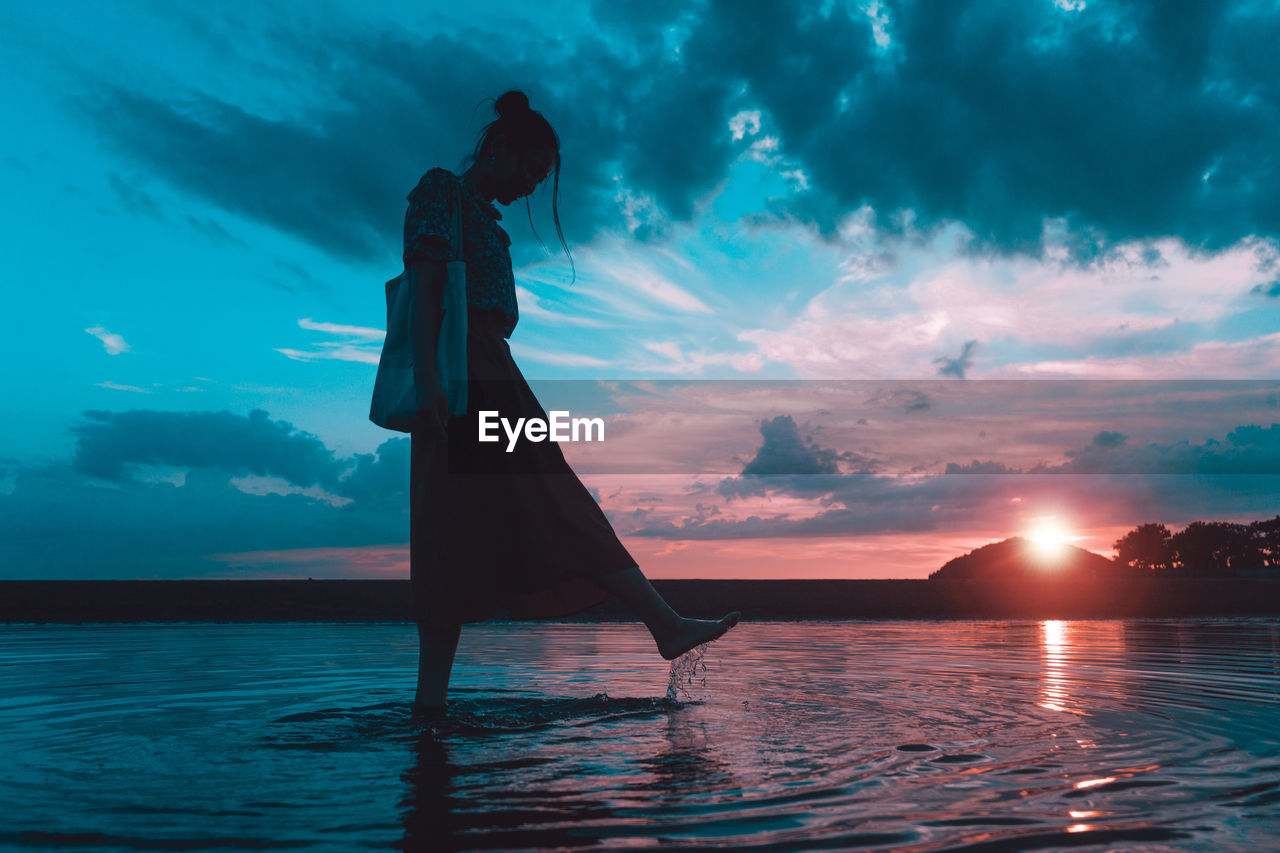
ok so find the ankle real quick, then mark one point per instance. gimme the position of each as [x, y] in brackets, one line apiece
[666, 627]
[429, 712]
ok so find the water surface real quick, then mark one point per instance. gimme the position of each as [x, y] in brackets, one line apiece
[1156, 735]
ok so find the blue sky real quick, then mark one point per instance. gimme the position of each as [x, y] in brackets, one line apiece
[203, 204]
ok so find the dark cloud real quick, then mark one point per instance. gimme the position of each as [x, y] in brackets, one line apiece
[784, 454]
[1248, 450]
[957, 366]
[859, 503]
[999, 115]
[1176, 482]
[379, 479]
[336, 175]
[1109, 438]
[108, 442]
[293, 176]
[57, 522]
[909, 399]
[977, 467]
[1127, 120]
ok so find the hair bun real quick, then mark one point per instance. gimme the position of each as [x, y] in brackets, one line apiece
[512, 103]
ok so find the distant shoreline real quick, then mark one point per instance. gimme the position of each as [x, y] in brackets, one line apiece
[389, 600]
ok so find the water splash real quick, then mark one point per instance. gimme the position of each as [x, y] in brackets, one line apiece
[684, 670]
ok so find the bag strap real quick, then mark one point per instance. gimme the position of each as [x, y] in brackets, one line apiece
[456, 227]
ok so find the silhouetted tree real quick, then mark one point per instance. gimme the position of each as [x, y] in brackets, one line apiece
[1145, 549]
[1240, 548]
[1266, 537]
[1217, 548]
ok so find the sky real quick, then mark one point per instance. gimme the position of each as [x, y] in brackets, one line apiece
[856, 287]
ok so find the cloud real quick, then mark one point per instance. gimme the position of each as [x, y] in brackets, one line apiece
[379, 119]
[1124, 120]
[107, 442]
[531, 306]
[909, 399]
[361, 344]
[795, 488]
[1194, 317]
[87, 519]
[114, 344]
[845, 505]
[654, 286]
[1249, 449]
[96, 517]
[677, 360]
[116, 386]
[1109, 438]
[1252, 357]
[1044, 114]
[56, 523]
[744, 123]
[379, 480]
[784, 452]
[568, 359]
[807, 467]
[958, 365]
[362, 332]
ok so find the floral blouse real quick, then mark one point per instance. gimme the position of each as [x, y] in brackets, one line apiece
[427, 221]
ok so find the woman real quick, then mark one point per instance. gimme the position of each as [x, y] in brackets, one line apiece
[491, 530]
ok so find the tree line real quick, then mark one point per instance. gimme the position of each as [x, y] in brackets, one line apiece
[1202, 548]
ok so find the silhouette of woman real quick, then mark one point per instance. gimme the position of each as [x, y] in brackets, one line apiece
[491, 530]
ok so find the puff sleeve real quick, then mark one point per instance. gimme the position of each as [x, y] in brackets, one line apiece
[427, 219]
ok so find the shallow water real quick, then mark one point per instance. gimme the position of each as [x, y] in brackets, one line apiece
[1152, 735]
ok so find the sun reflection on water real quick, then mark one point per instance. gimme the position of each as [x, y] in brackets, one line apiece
[1054, 642]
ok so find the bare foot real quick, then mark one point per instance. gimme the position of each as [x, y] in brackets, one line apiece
[695, 632]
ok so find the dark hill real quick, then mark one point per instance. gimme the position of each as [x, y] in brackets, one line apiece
[1022, 558]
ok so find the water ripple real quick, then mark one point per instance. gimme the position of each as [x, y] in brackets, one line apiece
[915, 736]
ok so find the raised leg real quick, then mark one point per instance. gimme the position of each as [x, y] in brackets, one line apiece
[633, 589]
[673, 633]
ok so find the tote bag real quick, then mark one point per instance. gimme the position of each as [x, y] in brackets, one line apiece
[424, 366]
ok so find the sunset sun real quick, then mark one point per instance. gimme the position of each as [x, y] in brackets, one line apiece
[1050, 537]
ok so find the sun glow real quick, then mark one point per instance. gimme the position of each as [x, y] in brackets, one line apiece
[1050, 537]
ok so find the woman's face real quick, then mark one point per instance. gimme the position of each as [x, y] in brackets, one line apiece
[520, 174]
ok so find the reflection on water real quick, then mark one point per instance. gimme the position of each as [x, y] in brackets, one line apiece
[787, 736]
[1060, 672]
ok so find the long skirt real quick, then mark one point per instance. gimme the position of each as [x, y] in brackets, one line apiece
[497, 534]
